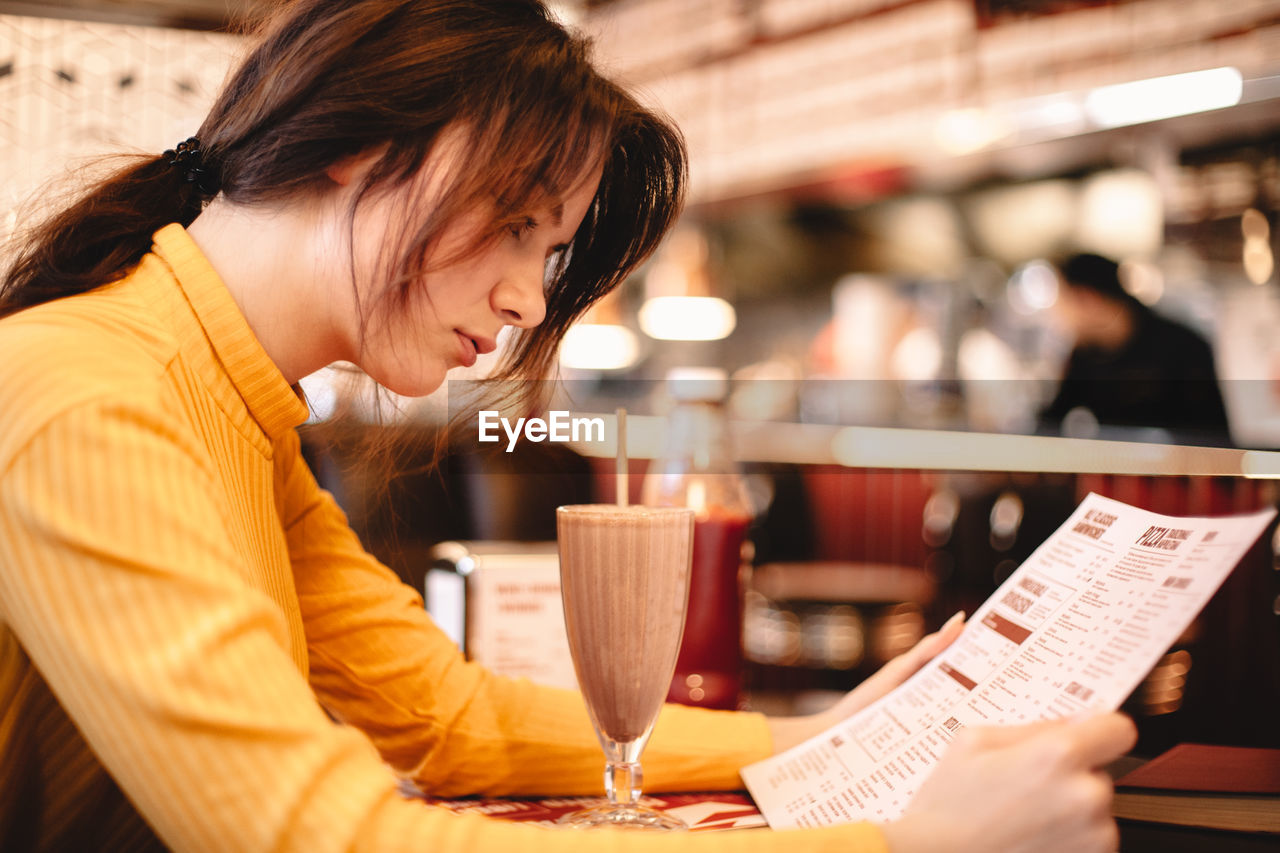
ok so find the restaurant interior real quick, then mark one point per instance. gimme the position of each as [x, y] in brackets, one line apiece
[880, 195]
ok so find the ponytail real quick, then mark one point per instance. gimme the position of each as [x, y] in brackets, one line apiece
[102, 235]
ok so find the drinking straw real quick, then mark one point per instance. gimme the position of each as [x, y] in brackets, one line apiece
[622, 456]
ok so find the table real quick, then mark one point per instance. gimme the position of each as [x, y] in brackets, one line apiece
[734, 810]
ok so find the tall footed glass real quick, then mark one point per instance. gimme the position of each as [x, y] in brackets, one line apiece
[624, 578]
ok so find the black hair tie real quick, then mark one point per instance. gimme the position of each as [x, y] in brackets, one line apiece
[189, 159]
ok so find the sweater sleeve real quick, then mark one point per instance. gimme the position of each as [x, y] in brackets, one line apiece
[379, 663]
[121, 584]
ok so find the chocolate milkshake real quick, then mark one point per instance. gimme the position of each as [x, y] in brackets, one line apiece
[624, 577]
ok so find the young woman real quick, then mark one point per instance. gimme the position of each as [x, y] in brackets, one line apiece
[195, 652]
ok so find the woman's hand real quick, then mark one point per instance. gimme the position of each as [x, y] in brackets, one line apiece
[1021, 789]
[791, 731]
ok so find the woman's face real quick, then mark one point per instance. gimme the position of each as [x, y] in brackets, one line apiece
[456, 310]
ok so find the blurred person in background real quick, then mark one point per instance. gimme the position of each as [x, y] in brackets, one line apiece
[195, 651]
[1129, 366]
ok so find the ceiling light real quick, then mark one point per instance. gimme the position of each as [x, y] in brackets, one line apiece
[599, 346]
[1164, 97]
[687, 318]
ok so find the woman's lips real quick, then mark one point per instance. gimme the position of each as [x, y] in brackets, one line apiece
[467, 350]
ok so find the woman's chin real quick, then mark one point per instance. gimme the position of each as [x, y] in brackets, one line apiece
[419, 389]
[407, 385]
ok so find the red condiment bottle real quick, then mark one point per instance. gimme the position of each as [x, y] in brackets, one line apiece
[698, 470]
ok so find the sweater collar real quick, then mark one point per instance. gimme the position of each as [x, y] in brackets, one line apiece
[271, 401]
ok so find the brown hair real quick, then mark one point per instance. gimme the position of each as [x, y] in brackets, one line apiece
[327, 80]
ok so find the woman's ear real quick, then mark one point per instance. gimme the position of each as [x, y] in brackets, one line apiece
[347, 170]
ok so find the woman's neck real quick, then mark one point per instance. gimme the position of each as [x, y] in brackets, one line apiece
[284, 271]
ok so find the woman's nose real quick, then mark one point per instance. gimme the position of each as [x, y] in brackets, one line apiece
[519, 297]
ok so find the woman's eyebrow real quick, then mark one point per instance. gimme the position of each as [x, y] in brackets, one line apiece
[557, 214]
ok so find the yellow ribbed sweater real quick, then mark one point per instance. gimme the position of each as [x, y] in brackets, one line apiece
[180, 604]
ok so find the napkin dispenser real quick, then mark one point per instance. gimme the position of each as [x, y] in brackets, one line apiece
[500, 602]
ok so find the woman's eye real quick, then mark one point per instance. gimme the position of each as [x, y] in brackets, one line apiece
[519, 229]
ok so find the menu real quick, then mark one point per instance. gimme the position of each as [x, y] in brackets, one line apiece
[1076, 628]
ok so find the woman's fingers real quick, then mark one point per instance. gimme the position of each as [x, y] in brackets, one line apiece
[905, 665]
[1024, 789]
[1101, 739]
[932, 644]
[789, 731]
[892, 673]
[1078, 743]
